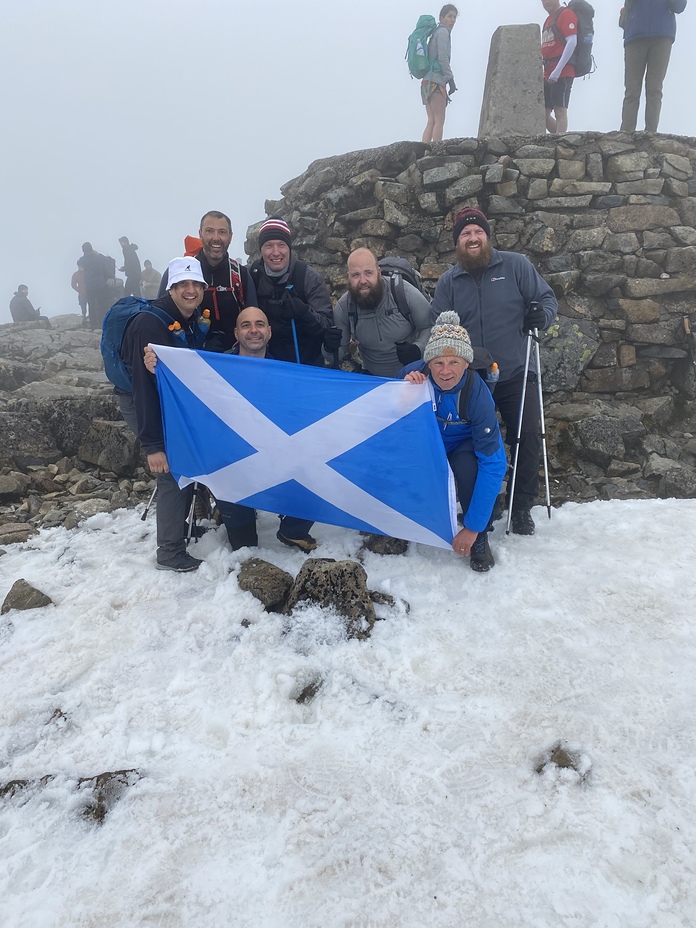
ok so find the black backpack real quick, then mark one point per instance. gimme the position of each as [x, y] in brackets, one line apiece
[396, 271]
[581, 59]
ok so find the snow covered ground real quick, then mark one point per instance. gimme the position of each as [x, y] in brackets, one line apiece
[405, 793]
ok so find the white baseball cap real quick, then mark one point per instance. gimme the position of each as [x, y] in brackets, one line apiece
[184, 269]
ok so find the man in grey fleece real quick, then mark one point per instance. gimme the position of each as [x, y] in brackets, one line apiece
[368, 313]
[500, 297]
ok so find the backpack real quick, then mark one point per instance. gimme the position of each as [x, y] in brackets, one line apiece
[581, 59]
[417, 59]
[113, 330]
[395, 270]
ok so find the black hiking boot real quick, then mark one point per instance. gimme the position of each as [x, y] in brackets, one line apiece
[181, 562]
[242, 536]
[481, 557]
[522, 522]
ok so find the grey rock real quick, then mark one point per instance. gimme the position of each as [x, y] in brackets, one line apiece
[639, 218]
[337, 585]
[384, 544]
[112, 446]
[567, 349]
[23, 596]
[268, 583]
[513, 99]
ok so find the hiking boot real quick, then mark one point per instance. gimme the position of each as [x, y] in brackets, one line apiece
[304, 544]
[182, 562]
[522, 522]
[481, 557]
[242, 536]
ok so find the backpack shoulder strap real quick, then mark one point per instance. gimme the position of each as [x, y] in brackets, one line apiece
[161, 314]
[398, 292]
[298, 278]
[464, 395]
[554, 26]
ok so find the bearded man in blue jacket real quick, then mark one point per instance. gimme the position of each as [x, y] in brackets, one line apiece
[650, 28]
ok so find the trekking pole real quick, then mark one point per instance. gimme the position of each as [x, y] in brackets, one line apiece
[192, 516]
[542, 422]
[149, 503]
[294, 338]
[513, 479]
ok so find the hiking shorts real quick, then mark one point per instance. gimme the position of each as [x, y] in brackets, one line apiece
[557, 96]
[428, 88]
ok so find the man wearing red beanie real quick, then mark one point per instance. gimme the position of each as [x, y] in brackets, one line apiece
[500, 297]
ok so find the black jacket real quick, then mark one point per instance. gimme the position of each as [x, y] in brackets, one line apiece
[22, 310]
[146, 328]
[301, 296]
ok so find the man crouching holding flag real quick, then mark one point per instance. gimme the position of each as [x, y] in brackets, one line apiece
[469, 428]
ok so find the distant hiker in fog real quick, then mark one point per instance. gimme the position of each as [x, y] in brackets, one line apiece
[650, 28]
[98, 271]
[21, 308]
[149, 281]
[78, 284]
[559, 39]
[434, 87]
[131, 267]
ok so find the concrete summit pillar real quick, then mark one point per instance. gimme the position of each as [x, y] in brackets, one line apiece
[513, 98]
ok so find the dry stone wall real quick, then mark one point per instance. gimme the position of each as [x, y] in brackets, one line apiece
[609, 221]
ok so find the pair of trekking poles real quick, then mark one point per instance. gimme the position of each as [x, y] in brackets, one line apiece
[190, 519]
[532, 336]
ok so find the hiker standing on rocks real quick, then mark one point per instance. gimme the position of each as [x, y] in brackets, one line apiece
[500, 298]
[131, 267]
[435, 83]
[471, 435]
[98, 271]
[559, 38]
[650, 28]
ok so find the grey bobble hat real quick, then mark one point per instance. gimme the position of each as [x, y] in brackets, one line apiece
[448, 337]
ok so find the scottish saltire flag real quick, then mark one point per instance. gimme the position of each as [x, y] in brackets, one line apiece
[345, 449]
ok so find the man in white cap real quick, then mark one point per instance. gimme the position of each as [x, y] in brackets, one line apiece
[141, 408]
[469, 428]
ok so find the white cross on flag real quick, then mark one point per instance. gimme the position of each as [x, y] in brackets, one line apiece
[345, 449]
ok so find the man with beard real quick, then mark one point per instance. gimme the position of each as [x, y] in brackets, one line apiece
[500, 298]
[294, 297]
[369, 315]
[229, 286]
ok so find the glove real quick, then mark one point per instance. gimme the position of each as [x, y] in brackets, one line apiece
[452, 87]
[333, 338]
[407, 352]
[534, 318]
[292, 307]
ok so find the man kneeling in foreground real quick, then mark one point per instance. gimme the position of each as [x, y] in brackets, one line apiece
[471, 436]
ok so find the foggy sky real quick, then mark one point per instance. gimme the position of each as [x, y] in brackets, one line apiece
[134, 118]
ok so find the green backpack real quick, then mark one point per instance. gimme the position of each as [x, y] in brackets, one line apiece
[419, 64]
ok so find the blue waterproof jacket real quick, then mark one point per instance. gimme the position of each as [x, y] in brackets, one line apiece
[651, 19]
[492, 308]
[480, 435]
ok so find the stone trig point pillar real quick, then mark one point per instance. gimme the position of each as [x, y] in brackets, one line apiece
[513, 98]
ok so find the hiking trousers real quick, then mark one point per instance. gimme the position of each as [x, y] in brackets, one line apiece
[508, 397]
[649, 55]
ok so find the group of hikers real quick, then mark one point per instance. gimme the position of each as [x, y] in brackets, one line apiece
[471, 344]
[649, 28]
[98, 287]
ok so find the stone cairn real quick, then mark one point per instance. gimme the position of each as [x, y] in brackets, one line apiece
[610, 222]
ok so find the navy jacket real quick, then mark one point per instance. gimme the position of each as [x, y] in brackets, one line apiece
[481, 434]
[492, 308]
[651, 19]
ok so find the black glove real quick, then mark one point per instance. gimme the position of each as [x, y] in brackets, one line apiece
[534, 318]
[452, 87]
[407, 352]
[333, 338]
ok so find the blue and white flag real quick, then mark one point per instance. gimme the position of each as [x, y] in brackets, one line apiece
[344, 449]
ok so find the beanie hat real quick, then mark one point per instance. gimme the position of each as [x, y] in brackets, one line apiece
[273, 229]
[469, 216]
[448, 337]
[184, 269]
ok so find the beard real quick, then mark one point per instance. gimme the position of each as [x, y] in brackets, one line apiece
[477, 261]
[368, 299]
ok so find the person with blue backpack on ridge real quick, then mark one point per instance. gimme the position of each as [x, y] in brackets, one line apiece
[650, 28]
[174, 320]
[434, 85]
